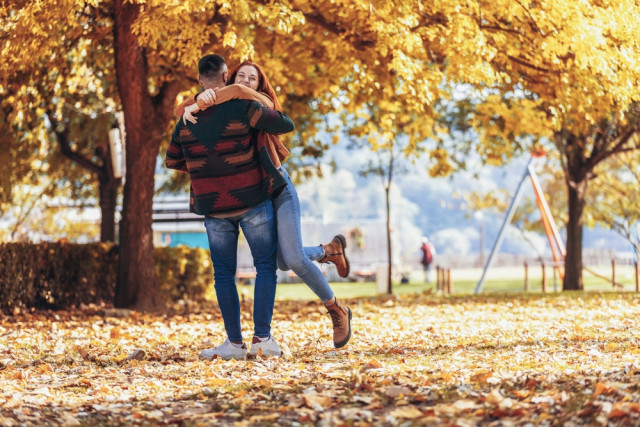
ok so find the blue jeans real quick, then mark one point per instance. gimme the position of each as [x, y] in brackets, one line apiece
[291, 254]
[258, 226]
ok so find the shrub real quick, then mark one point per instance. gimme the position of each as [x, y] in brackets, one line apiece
[60, 275]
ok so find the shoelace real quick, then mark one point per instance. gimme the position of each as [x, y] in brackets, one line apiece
[335, 318]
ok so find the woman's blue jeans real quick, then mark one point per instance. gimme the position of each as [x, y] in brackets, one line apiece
[291, 254]
[258, 226]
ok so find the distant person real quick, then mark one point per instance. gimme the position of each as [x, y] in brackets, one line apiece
[248, 81]
[232, 185]
[428, 252]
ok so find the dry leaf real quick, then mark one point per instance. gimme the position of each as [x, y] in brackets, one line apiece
[317, 401]
[397, 390]
[408, 411]
[481, 377]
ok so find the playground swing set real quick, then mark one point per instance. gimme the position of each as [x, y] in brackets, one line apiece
[558, 249]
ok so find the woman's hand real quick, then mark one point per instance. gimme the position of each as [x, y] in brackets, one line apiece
[208, 96]
[188, 114]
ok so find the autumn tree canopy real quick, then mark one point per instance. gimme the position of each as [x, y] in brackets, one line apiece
[556, 71]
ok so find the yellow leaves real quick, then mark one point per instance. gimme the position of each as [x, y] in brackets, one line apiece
[229, 39]
[481, 376]
[407, 412]
[441, 165]
[601, 388]
[372, 379]
[372, 364]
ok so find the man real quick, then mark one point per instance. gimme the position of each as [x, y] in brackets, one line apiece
[428, 251]
[232, 183]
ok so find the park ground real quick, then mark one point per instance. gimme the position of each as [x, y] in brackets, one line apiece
[418, 358]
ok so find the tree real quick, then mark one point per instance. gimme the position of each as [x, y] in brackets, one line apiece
[564, 71]
[574, 67]
[309, 47]
[613, 199]
[60, 106]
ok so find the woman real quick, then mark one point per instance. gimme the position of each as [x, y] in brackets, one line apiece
[291, 253]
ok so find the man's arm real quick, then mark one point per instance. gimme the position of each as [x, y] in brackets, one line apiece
[268, 119]
[225, 94]
[175, 155]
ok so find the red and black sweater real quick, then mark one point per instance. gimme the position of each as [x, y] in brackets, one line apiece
[226, 158]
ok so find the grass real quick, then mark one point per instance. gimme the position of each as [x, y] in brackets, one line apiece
[503, 279]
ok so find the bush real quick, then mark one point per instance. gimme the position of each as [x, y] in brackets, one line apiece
[183, 272]
[60, 275]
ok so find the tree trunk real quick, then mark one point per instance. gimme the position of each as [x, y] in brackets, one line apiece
[136, 280]
[389, 255]
[108, 187]
[573, 260]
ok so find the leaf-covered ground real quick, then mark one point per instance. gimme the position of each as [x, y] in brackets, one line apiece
[414, 360]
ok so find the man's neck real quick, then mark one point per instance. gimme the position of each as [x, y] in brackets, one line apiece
[213, 85]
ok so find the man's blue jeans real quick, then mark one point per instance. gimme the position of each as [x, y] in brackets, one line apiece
[259, 228]
[291, 254]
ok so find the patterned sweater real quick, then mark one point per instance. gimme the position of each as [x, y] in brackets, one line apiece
[226, 158]
[276, 149]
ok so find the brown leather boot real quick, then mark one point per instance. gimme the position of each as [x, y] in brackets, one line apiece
[334, 253]
[341, 318]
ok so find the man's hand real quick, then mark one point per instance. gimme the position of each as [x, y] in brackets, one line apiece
[188, 114]
[208, 96]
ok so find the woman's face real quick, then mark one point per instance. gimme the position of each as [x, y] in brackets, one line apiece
[247, 75]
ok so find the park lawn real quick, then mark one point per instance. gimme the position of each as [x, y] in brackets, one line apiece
[415, 359]
[510, 279]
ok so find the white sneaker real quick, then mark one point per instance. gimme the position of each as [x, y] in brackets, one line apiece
[225, 351]
[266, 348]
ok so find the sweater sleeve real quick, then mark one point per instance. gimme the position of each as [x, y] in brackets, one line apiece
[179, 111]
[227, 93]
[268, 119]
[175, 155]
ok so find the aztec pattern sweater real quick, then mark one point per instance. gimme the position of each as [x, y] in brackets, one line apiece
[226, 158]
[276, 149]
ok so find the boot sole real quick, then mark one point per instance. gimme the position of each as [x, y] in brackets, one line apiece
[343, 242]
[346, 340]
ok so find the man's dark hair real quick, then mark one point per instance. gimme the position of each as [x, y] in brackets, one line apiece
[211, 66]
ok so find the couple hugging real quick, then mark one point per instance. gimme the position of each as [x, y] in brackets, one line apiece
[226, 140]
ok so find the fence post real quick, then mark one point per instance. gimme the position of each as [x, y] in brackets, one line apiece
[448, 281]
[526, 277]
[544, 279]
[437, 277]
[613, 273]
[636, 269]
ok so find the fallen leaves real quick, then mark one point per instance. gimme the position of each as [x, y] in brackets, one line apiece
[415, 359]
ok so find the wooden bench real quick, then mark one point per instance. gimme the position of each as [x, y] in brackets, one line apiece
[246, 277]
[364, 275]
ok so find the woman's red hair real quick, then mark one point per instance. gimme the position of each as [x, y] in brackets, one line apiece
[263, 82]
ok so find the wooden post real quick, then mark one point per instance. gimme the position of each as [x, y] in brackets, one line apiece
[450, 283]
[437, 277]
[526, 277]
[447, 289]
[544, 279]
[636, 268]
[613, 273]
